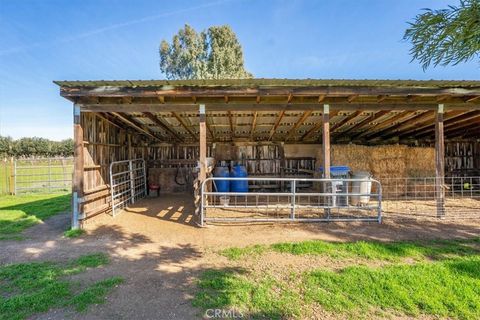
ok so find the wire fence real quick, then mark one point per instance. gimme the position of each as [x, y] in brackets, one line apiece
[45, 175]
[416, 198]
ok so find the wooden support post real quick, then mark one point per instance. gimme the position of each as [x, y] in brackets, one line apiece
[326, 140]
[129, 146]
[440, 162]
[78, 168]
[203, 144]
[326, 154]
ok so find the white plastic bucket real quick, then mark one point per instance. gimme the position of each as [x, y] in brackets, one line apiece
[363, 186]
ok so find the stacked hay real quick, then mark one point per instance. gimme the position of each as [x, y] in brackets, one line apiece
[389, 163]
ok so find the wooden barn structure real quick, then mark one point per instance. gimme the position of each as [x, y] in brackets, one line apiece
[172, 124]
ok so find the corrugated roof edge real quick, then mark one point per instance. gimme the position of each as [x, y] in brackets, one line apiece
[272, 82]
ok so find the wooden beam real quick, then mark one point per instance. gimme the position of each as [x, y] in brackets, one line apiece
[203, 143]
[107, 118]
[159, 123]
[461, 131]
[276, 124]
[347, 119]
[128, 120]
[321, 98]
[280, 90]
[265, 106]
[161, 99]
[184, 125]
[301, 120]
[439, 162]
[254, 124]
[78, 168]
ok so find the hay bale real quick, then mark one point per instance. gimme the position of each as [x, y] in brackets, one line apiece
[389, 161]
[420, 162]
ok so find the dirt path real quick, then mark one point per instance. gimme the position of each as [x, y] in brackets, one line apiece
[159, 252]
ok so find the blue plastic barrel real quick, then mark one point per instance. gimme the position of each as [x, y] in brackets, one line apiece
[222, 185]
[337, 171]
[239, 172]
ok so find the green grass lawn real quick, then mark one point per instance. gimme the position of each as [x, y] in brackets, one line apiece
[20, 212]
[437, 278]
[30, 288]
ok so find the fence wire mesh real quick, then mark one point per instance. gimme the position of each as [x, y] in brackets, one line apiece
[42, 175]
[415, 198]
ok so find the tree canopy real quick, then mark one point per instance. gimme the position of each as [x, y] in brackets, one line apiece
[447, 36]
[35, 147]
[214, 53]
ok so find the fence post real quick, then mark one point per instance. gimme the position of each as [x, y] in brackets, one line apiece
[49, 176]
[294, 187]
[14, 176]
[132, 180]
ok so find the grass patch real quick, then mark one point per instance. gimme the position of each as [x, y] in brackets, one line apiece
[20, 212]
[231, 289]
[441, 279]
[238, 253]
[369, 250]
[30, 288]
[449, 288]
[73, 233]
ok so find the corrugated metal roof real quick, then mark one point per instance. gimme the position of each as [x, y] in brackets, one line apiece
[265, 82]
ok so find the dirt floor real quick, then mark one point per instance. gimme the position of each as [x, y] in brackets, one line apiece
[159, 250]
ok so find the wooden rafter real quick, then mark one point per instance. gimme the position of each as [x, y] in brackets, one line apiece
[381, 98]
[321, 98]
[317, 127]
[352, 97]
[301, 120]
[254, 124]
[394, 130]
[276, 124]
[165, 127]
[289, 98]
[428, 124]
[451, 119]
[372, 118]
[184, 125]
[384, 124]
[473, 99]
[129, 120]
[347, 119]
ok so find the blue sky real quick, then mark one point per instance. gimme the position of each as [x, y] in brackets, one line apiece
[45, 40]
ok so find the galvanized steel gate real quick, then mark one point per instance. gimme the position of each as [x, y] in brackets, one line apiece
[331, 200]
[128, 182]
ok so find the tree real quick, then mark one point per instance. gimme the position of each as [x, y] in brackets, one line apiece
[214, 53]
[447, 36]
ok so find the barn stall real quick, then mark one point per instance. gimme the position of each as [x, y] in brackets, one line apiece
[136, 141]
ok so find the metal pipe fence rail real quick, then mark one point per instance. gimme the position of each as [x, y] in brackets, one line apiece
[415, 197]
[128, 182]
[42, 175]
[328, 200]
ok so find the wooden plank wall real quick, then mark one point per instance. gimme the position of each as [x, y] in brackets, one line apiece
[103, 144]
[462, 158]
